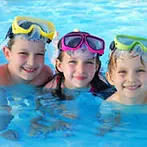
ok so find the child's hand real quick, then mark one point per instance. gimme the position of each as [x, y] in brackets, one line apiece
[39, 129]
[10, 134]
[102, 131]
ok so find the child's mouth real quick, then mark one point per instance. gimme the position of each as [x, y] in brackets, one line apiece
[29, 70]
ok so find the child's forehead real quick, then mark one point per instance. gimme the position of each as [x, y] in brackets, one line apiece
[21, 38]
[28, 42]
[23, 44]
[79, 56]
[82, 51]
[129, 61]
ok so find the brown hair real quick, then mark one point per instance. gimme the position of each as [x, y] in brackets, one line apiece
[10, 43]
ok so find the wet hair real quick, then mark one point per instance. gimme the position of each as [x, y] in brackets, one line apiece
[117, 53]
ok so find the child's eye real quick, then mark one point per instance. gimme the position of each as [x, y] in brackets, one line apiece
[40, 54]
[140, 70]
[23, 53]
[72, 61]
[89, 62]
[122, 71]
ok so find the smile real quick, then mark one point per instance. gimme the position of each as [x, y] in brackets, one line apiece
[80, 77]
[29, 70]
[132, 88]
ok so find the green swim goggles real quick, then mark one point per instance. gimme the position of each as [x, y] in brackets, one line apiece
[126, 42]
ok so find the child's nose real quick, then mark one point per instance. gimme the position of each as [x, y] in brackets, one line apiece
[131, 76]
[31, 60]
[81, 68]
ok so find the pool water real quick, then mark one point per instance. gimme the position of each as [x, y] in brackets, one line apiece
[99, 17]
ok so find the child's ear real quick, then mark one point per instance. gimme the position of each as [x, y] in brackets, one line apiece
[109, 78]
[97, 67]
[58, 65]
[6, 52]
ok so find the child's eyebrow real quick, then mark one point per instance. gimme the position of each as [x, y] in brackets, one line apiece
[26, 50]
[91, 58]
[23, 49]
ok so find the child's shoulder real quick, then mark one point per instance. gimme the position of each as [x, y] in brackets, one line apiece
[113, 97]
[3, 68]
[46, 71]
[43, 77]
[4, 75]
[52, 84]
[107, 93]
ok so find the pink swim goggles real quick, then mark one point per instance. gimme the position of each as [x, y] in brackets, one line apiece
[74, 41]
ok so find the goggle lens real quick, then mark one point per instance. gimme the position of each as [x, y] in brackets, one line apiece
[72, 41]
[130, 41]
[126, 41]
[95, 43]
[27, 24]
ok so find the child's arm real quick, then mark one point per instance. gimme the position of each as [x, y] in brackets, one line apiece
[46, 120]
[108, 124]
[37, 127]
[43, 77]
[4, 74]
[108, 119]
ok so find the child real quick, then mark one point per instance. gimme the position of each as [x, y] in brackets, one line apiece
[78, 53]
[24, 49]
[77, 67]
[127, 71]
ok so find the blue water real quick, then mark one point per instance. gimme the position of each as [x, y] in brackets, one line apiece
[99, 17]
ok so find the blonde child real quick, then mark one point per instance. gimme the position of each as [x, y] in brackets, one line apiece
[77, 66]
[24, 48]
[127, 71]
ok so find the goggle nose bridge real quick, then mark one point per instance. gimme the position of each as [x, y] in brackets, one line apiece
[83, 40]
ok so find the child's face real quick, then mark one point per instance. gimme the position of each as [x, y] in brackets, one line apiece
[26, 59]
[130, 80]
[78, 70]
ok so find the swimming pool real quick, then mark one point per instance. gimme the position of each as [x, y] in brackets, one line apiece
[102, 18]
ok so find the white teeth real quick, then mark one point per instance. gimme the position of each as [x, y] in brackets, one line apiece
[132, 87]
[29, 69]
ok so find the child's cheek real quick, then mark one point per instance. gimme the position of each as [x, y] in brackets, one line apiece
[90, 67]
[40, 59]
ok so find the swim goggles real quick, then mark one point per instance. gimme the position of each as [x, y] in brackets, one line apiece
[125, 42]
[25, 25]
[74, 40]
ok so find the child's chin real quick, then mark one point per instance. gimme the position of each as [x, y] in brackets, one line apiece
[28, 78]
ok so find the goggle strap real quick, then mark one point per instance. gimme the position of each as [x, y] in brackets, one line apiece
[112, 46]
[49, 41]
[9, 33]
